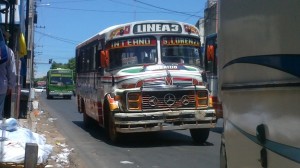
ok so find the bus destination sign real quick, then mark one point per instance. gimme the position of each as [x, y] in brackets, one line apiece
[157, 28]
[169, 41]
[133, 42]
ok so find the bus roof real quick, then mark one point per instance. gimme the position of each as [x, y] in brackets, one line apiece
[107, 33]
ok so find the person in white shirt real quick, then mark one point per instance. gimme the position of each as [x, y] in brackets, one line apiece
[7, 74]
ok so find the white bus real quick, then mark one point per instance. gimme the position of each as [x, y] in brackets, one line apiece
[259, 70]
[144, 76]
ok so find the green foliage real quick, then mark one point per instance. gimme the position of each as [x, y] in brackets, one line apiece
[69, 65]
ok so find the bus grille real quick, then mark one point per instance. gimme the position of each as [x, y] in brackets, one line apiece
[168, 100]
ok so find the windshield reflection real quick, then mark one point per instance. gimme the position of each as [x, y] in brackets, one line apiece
[132, 51]
[182, 50]
[61, 80]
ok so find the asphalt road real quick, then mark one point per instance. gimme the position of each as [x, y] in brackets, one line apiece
[169, 149]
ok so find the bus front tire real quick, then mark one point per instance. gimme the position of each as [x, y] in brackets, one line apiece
[200, 136]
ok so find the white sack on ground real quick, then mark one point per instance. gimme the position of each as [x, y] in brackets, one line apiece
[14, 146]
[35, 104]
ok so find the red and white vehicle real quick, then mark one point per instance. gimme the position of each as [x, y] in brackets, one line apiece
[144, 76]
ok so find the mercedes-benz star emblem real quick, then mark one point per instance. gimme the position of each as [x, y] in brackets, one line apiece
[169, 99]
[153, 101]
[185, 100]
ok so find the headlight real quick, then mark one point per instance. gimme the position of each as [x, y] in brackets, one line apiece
[201, 98]
[134, 101]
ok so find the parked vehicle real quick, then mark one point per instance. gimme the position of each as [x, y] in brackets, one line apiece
[40, 89]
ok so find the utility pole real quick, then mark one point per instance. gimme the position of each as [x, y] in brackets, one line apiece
[30, 21]
[13, 105]
[30, 41]
[11, 44]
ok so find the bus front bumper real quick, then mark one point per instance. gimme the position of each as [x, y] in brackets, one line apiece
[164, 120]
[69, 93]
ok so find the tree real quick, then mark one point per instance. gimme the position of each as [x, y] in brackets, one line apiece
[70, 65]
[56, 65]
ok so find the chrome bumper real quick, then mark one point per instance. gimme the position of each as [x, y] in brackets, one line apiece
[164, 120]
[61, 93]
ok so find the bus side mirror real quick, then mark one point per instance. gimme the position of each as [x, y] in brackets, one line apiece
[210, 53]
[104, 56]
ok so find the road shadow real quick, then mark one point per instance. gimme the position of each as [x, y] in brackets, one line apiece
[218, 130]
[219, 126]
[145, 139]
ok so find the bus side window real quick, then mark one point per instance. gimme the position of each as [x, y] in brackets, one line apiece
[99, 63]
[98, 53]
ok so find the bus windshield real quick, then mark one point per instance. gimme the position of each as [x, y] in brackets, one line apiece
[61, 80]
[180, 50]
[132, 51]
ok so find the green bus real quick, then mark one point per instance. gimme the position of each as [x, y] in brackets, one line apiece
[60, 82]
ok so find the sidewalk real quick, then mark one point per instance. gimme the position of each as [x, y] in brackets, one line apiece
[40, 121]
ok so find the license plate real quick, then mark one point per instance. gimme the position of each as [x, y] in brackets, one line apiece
[200, 115]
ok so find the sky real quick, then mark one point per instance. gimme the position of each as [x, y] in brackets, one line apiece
[63, 24]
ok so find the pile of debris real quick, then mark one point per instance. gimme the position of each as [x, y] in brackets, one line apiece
[14, 140]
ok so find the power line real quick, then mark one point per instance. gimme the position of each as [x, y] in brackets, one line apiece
[59, 38]
[184, 13]
[101, 11]
[72, 1]
[126, 4]
[191, 16]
